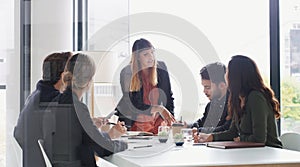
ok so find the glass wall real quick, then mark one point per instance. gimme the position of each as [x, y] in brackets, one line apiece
[107, 42]
[190, 34]
[290, 64]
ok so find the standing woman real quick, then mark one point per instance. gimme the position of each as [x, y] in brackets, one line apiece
[254, 106]
[86, 140]
[147, 97]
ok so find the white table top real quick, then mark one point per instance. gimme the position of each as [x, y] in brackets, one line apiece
[167, 154]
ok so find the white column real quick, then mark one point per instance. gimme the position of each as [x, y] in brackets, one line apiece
[51, 32]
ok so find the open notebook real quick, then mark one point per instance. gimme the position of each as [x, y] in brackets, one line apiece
[233, 144]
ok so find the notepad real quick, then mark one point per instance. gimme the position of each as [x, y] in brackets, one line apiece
[233, 144]
[137, 133]
[141, 137]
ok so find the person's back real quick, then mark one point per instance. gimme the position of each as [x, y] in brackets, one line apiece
[86, 139]
[29, 127]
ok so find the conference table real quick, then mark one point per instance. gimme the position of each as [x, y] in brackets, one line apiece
[149, 152]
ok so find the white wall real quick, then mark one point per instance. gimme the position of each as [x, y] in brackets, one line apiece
[52, 23]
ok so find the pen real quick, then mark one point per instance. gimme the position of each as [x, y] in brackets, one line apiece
[110, 114]
[111, 123]
[142, 146]
[199, 144]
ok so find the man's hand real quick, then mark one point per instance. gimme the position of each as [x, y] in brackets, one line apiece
[237, 139]
[203, 137]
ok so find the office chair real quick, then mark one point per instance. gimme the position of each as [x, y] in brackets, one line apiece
[47, 161]
[297, 129]
[104, 163]
[291, 141]
[60, 134]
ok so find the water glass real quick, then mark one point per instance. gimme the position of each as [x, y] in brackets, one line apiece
[187, 135]
[163, 133]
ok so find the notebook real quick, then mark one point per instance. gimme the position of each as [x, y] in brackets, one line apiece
[138, 135]
[232, 144]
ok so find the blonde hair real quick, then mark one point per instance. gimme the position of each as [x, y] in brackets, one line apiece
[136, 68]
[79, 71]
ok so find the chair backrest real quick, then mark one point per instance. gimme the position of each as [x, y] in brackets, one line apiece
[62, 135]
[104, 163]
[47, 161]
[296, 129]
[291, 141]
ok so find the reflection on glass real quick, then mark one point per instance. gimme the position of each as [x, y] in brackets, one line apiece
[229, 33]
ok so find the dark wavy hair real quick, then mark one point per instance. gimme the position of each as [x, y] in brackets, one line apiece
[54, 65]
[243, 77]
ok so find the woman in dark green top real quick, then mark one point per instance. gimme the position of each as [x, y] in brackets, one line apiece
[254, 106]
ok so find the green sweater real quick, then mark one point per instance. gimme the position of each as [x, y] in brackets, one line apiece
[258, 123]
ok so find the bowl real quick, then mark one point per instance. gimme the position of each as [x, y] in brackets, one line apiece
[179, 143]
[163, 140]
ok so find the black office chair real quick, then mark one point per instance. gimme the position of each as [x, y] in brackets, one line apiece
[60, 130]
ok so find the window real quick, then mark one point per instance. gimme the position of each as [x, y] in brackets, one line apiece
[290, 64]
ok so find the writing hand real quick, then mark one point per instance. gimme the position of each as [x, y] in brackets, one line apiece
[203, 137]
[117, 130]
[237, 139]
[99, 121]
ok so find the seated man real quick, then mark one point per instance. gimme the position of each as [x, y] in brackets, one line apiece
[29, 127]
[215, 117]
